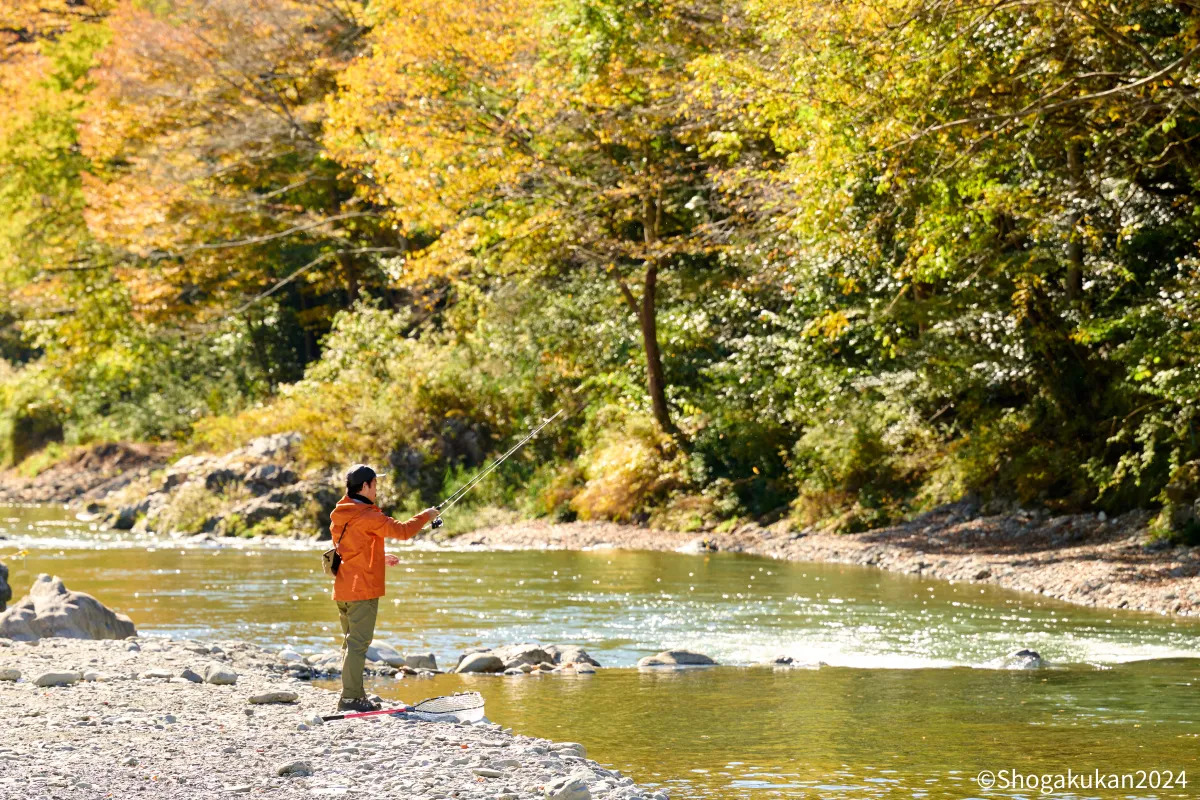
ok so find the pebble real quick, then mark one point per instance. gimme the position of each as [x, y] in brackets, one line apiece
[220, 675]
[130, 762]
[274, 697]
[157, 673]
[10, 674]
[569, 748]
[294, 769]
[191, 676]
[485, 772]
[57, 679]
[96, 676]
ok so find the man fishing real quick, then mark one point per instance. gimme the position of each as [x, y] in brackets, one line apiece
[358, 529]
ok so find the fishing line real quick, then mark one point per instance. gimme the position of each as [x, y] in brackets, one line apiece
[459, 493]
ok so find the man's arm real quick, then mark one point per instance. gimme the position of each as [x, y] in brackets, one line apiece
[390, 528]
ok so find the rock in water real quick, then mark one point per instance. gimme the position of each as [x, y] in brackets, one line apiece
[380, 651]
[480, 662]
[274, 697]
[571, 655]
[514, 655]
[421, 661]
[676, 658]
[51, 610]
[5, 589]
[57, 679]
[1024, 659]
[571, 787]
[220, 675]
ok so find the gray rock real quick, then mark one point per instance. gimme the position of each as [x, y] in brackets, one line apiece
[570, 654]
[276, 444]
[569, 748]
[266, 477]
[219, 675]
[10, 674]
[486, 772]
[164, 674]
[57, 679]
[50, 610]
[125, 518]
[96, 676]
[273, 697]
[514, 655]
[385, 653]
[676, 658]
[421, 661]
[1024, 659]
[294, 769]
[218, 479]
[570, 787]
[585, 669]
[188, 674]
[480, 662]
[261, 509]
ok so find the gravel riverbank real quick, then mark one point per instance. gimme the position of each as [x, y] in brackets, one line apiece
[130, 724]
[1081, 559]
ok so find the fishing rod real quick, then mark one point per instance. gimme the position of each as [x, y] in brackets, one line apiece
[459, 493]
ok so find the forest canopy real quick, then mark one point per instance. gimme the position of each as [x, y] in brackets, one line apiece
[841, 262]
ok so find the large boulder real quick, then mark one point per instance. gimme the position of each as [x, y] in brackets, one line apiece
[677, 658]
[5, 589]
[50, 610]
[266, 477]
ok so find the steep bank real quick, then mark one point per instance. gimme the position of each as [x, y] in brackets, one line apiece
[1080, 559]
[134, 730]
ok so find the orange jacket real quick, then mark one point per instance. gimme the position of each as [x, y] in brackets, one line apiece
[358, 530]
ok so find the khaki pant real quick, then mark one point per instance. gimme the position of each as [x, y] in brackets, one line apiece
[358, 629]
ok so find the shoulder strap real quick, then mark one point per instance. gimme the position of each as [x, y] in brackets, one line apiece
[339, 539]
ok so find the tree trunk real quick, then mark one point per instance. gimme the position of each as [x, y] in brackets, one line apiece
[1075, 242]
[655, 383]
[351, 271]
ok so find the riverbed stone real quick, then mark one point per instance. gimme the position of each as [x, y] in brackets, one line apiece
[219, 675]
[569, 787]
[57, 679]
[421, 661]
[277, 696]
[514, 655]
[51, 610]
[1024, 659]
[480, 662]
[676, 658]
[294, 769]
[10, 674]
[570, 654]
[385, 654]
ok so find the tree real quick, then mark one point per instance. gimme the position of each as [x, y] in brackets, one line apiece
[541, 138]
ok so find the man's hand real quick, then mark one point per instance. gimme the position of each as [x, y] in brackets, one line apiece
[390, 559]
[431, 513]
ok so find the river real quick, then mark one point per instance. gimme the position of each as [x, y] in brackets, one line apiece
[906, 702]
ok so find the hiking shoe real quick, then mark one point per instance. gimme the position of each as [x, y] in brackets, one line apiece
[357, 705]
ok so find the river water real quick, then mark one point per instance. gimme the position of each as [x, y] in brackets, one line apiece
[907, 700]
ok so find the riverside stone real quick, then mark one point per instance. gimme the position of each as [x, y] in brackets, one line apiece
[385, 653]
[294, 769]
[676, 658]
[57, 679]
[10, 674]
[278, 696]
[571, 787]
[188, 674]
[421, 661]
[51, 610]
[569, 748]
[570, 655]
[220, 675]
[480, 662]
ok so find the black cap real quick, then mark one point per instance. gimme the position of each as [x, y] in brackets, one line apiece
[360, 474]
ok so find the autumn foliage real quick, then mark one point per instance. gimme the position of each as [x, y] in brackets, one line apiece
[842, 261]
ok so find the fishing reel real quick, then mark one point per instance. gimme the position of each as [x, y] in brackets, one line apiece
[437, 523]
